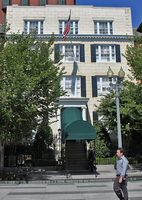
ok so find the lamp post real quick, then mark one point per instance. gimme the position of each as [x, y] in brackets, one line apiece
[117, 86]
[59, 131]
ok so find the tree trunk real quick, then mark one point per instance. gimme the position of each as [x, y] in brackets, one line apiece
[1, 157]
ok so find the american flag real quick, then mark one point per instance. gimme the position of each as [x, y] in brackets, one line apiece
[67, 28]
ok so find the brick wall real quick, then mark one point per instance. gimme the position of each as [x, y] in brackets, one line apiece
[52, 2]
[69, 2]
[15, 2]
[34, 2]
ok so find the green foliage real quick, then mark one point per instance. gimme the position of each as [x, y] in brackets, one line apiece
[103, 143]
[130, 103]
[29, 86]
[133, 56]
[106, 161]
[11, 177]
[43, 138]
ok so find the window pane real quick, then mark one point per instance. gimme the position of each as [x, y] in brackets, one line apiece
[73, 27]
[113, 53]
[105, 85]
[77, 53]
[111, 28]
[32, 26]
[24, 2]
[69, 53]
[61, 2]
[60, 27]
[97, 53]
[76, 27]
[25, 27]
[95, 27]
[41, 27]
[103, 28]
[6, 2]
[42, 2]
[105, 54]
[78, 87]
[70, 86]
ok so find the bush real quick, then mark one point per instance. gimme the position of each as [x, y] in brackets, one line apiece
[106, 161]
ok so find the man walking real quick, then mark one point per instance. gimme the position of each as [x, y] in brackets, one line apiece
[120, 182]
[91, 158]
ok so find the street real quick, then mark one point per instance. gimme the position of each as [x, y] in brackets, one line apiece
[67, 191]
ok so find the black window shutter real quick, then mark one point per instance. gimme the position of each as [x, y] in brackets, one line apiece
[118, 54]
[28, 2]
[83, 86]
[93, 53]
[57, 2]
[46, 2]
[95, 117]
[56, 53]
[82, 54]
[65, 2]
[94, 86]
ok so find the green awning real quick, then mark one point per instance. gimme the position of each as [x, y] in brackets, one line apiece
[74, 128]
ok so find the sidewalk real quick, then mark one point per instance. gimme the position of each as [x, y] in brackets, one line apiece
[51, 176]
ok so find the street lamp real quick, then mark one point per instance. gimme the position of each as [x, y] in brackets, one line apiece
[117, 86]
[59, 131]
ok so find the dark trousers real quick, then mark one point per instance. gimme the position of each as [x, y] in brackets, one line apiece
[120, 188]
[91, 163]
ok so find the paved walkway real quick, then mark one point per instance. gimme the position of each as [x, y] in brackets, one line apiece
[47, 175]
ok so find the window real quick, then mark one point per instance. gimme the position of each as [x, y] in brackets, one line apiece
[43, 2]
[72, 85]
[103, 28]
[6, 3]
[73, 27]
[105, 53]
[103, 86]
[25, 2]
[70, 52]
[100, 85]
[61, 2]
[31, 25]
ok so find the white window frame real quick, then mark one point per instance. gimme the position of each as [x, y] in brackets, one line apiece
[38, 27]
[101, 86]
[99, 50]
[62, 25]
[76, 51]
[77, 88]
[98, 23]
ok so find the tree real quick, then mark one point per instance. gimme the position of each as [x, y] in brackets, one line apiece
[107, 109]
[43, 138]
[29, 86]
[103, 145]
[130, 99]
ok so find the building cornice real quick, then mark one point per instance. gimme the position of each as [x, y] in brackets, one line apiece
[73, 99]
[88, 37]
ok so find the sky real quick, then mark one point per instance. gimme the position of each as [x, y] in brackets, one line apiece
[135, 5]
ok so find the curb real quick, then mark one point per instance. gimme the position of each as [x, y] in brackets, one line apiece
[67, 181]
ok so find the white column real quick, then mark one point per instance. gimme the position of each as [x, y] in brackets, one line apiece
[84, 113]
